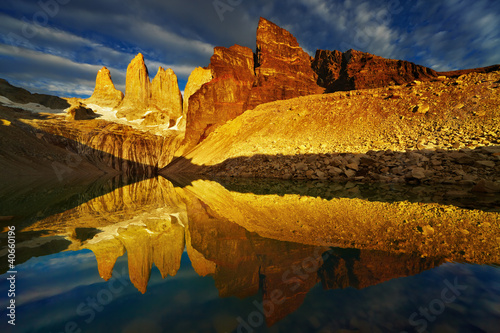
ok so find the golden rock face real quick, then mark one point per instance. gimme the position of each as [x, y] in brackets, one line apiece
[137, 89]
[353, 69]
[223, 97]
[359, 121]
[158, 101]
[198, 77]
[283, 69]
[165, 97]
[105, 94]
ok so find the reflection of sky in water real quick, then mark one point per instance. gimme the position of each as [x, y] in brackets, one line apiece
[50, 289]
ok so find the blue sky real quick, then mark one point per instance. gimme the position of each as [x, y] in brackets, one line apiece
[57, 46]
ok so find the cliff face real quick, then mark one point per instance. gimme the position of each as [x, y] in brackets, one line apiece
[165, 97]
[108, 145]
[327, 64]
[157, 102]
[360, 70]
[224, 97]
[198, 77]
[105, 94]
[137, 90]
[282, 71]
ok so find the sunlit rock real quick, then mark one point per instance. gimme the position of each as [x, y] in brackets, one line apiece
[105, 94]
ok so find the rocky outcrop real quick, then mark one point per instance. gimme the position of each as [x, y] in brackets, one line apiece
[291, 137]
[79, 112]
[137, 90]
[69, 149]
[166, 98]
[198, 77]
[158, 102]
[327, 64]
[283, 70]
[224, 97]
[105, 94]
[108, 145]
[360, 70]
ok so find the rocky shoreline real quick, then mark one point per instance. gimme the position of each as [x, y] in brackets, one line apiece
[479, 167]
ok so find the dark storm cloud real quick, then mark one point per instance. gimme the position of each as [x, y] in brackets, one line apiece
[85, 35]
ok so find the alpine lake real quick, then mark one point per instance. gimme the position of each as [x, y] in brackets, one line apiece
[240, 255]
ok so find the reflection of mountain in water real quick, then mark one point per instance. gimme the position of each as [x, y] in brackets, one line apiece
[279, 246]
[246, 263]
[427, 229]
[144, 219]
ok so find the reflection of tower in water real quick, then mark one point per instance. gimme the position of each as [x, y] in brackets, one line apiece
[222, 232]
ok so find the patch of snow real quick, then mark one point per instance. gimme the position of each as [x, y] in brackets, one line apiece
[32, 107]
[106, 113]
[109, 114]
[176, 126]
[111, 231]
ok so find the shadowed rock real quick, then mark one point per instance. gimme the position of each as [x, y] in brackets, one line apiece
[360, 70]
[23, 96]
[79, 112]
[224, 97]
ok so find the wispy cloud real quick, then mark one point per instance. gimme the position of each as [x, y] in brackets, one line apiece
[48, 73]
[361, 25]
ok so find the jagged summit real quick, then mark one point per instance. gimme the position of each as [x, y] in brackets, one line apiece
[157, 102]
[354, 69]
[137, 86]
[166, 98]
[105, 94]
[283, 69]
[279, 70]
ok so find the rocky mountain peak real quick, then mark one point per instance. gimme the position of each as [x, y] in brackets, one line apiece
[274, 43]
[361, 70]
[278, 49]
[283, 69]
[137, 88]
[166, 98]
[105, 94]
[198, 77]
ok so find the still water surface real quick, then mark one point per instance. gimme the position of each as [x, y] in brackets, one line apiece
[107, 256]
